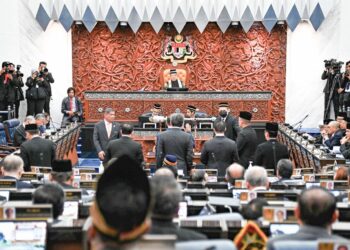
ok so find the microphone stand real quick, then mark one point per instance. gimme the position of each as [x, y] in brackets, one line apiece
[299, 124]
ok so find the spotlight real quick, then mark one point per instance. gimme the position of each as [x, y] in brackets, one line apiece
[123, 24]
[78, 22]
[235, 23]
[168, 27]
[280, 22]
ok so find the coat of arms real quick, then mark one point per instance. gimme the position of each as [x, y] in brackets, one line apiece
[178, 51]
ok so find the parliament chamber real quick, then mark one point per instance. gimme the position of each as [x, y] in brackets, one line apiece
[175, 124]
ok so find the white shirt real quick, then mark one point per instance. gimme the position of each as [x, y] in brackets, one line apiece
[108, 128]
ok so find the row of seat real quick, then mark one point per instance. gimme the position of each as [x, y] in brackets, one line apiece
[7, 131]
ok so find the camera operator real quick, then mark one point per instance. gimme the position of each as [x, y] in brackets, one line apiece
[36, 93]
[5, 78]
[49, 79]
[332, 89]
[345, 85]
[15, 93]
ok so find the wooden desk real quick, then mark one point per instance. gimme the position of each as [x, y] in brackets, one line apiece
[130, 105]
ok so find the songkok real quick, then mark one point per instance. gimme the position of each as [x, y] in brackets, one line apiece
[223, 105]
[61, 166]
[342, 114]
[173, 71]
[191, 108]
[170, 160]
[348, 125]
[31, 127]
[326, 121]
[245, 115]
[157, 106]
[126, 219]
[271, 126]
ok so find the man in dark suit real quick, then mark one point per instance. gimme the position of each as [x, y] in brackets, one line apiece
[125, 145]
[270, 152]
[246, 140]
[232, 128]
[105, 131]
[71, 108]
[316, 210]
[219, 152]
[166, 207]
[176, 142]
[12, 168]
[36, 151]
[345, 143]
[49, 79]
[335, 135]
[20, 134]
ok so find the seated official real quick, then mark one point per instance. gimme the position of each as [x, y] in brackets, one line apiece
[219, 152]
[234, 172]
[316, 212]
[344, 197]
[199, 175]
[254, 209]
[41, 122]
[50, 194]
[341, 174]
[19, 135]
[190, 113]
[62, 173]
[12, 169]
[121, 207]
[36, 151]
[167, 196]
[284, 172]
[170, 163]
[71, 108]
[125, 145]
[256, 179]
[174, 81]
[335, 135]
[154, 116]
[345, 143]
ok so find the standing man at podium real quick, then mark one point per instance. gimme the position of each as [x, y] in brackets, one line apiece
[232, 128]
[174, 82]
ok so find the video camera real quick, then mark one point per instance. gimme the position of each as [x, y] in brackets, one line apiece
[337, 67]
[329, 63]
[43, 72]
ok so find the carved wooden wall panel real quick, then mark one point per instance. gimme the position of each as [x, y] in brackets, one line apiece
[233, 61]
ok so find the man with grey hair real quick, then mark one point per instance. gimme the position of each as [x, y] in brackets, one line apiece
[40, 120]
[334, 135]
[176, 142]
[234, 172]
[105, 131]
[167, 196]
[256, 178]
[12, 169]
[20, 134]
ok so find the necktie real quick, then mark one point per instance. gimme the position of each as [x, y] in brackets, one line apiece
[109, 128]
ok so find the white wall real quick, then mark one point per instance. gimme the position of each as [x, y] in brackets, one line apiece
[306, 50]
[23, 42]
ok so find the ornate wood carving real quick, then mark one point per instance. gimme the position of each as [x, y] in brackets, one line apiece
[233, 61]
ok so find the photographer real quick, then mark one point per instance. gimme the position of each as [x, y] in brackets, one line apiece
[15, 93]
[36, 93]
[5, 79]
[43, 70]
[332, 89]
[345, 85]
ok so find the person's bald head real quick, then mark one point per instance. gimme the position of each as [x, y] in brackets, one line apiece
[234, 172]
[316, 207]
[164, 172]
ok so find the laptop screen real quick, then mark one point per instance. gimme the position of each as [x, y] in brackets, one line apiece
[29, 235]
